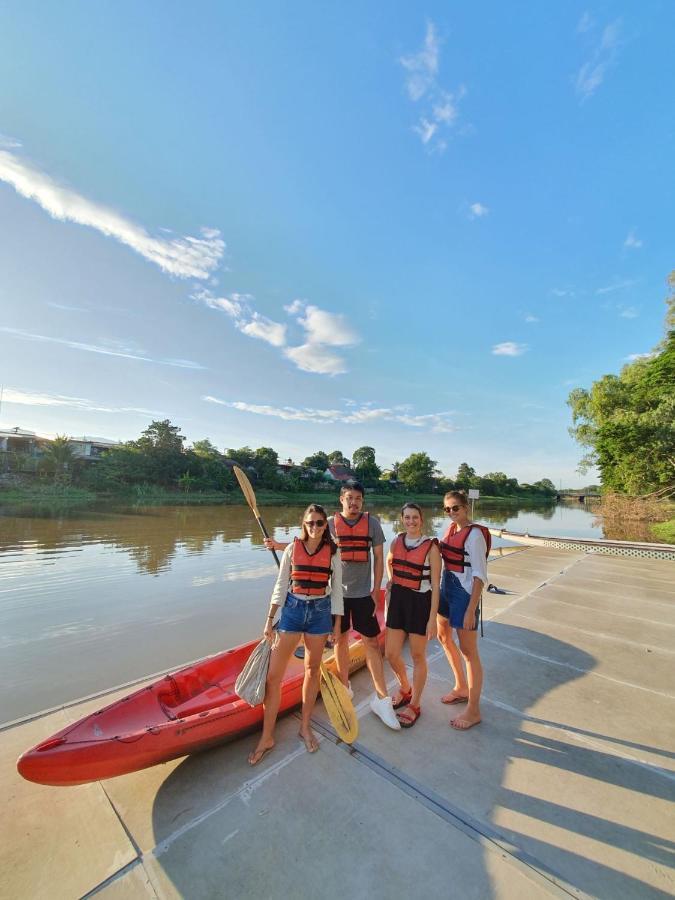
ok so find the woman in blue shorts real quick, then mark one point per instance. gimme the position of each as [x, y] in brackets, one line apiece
[309, 592]
[464, 552]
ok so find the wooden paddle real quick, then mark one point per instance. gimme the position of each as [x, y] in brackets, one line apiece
[334, 694]
[339, 706]
[247, 491]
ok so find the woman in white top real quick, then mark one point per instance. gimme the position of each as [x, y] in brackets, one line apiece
[414, 570]
[309, 592]
[464, 551]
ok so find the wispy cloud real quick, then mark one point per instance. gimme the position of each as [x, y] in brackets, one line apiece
[530, 318]
[239, 308]
[633, 356]
[478, 211]
[124, 352]
[616, 285]
[440, 107]
[66, 308]
[184, 257]
[632, 242]
[602, 57]
[359, 414]
[509, 348]
[628, 312]
[29, 398]
[585, 23]
[562, 292]
[321, 330]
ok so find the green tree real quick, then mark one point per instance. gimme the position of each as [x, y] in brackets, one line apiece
[627, 421]
[266, 464]
[244, 456]
[466, 476]
[337, 458]
[365, 467]
[417, 472]
[205, 449]
[58, 458]
[161, 435]
[318, 460]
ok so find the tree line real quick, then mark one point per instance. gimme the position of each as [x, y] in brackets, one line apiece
[627, 421]
[160, 457]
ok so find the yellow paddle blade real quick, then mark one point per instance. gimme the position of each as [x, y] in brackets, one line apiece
[339, 706]
[246, 488]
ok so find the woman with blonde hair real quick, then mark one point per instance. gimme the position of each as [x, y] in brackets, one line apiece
[414, 569]
[309, 591]
[464, 548]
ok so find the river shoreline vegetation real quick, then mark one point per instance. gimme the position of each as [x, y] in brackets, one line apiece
[627, 424]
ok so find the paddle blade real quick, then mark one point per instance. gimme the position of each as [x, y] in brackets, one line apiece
[339, 706]
[246, 488]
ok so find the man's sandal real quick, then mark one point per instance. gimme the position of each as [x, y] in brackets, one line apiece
[404, 698]
[409, 716]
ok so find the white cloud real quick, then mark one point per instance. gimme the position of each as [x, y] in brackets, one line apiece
[315, 358]
[633, 356]
[632, 242]
[509, 348]
[238, 307]
[27, 398]
[603, 56]
[629, 312]
[439, 422]
[585, 23]
[125, 352]
[477, 211]
[562, 292]
[616, 285]
[530, 318]
[184, 257]
[323, 327]
[440, 106]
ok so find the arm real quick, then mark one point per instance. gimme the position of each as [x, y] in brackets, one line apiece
[390, 574]
[378, 571]
[336, 597]
[279, 592]
[435, 566]
[477, 551]
[271, 544]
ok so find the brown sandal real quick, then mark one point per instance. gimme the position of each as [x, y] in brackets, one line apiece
[404, 698]
[409, 716]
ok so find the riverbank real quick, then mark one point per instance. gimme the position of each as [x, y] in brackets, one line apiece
[30, 496]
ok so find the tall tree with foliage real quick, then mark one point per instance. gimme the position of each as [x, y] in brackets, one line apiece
[417, 472]
[466, 476]
[337, 458]
[58, 458]
[627, 421]
[318, 460]
[365, 467]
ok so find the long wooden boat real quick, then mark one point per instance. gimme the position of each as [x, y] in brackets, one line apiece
[183, 712]
[641, 549]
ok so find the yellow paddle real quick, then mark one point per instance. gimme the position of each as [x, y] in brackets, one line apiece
[334, 694]
[339, 706]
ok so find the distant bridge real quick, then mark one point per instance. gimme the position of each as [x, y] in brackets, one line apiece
[580, 496]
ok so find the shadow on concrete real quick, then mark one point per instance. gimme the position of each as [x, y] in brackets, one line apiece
[478, 773]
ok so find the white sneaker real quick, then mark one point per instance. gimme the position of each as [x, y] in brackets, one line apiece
[384, 709]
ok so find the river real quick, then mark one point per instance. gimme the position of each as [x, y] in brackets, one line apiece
[90, 600]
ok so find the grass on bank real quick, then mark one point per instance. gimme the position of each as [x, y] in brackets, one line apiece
[665, 531]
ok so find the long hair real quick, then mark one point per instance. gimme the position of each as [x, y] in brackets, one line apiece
[326, 537]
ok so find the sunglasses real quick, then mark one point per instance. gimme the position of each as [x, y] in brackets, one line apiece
[315, 523]
[454, 508]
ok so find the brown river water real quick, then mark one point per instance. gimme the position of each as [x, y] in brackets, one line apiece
[91, 600]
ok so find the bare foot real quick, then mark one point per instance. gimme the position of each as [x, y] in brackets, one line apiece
[310, 740]
[465, 721]
[260, 752]
[455, 697]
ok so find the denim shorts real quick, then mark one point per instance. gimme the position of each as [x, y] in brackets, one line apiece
[306, 615]
[454, 601]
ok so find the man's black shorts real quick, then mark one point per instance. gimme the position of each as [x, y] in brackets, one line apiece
[359, 615]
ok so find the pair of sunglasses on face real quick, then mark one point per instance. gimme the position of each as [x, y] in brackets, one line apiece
[454, 508]
[315, 523]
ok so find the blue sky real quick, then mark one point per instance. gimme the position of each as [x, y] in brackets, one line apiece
[306, 226]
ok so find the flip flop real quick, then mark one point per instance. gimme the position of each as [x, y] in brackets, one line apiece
[261, 754]
[454, 699]
[493, 589]
[464, 726]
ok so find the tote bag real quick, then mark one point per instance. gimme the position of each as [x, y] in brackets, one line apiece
[250, 685]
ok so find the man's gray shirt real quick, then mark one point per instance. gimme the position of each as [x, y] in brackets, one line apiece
[357, 577]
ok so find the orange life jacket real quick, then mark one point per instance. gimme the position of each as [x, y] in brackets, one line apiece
[409, 567]
[353, 540]
[453, 546]
[310, 572]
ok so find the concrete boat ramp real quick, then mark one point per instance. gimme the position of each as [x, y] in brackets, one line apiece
[566, 788]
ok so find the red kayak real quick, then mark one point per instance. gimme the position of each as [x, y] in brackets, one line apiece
[184, 712]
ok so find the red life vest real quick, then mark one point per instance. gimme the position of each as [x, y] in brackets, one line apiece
[453, 546]
[409, 567]
[353, 540]
[310, 572]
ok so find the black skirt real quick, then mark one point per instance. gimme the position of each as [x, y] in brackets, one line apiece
[409, 610]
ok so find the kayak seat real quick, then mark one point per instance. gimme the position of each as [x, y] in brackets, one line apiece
[188, 693]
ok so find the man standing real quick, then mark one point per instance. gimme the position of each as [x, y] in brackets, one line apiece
[360, 538]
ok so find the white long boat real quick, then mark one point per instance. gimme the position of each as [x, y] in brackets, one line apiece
[641, 549]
